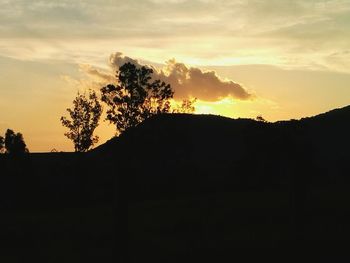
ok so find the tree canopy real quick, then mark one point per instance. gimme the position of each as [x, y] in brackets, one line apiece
[187, 106]
[14, 143]
[135, 97]
[84, 118]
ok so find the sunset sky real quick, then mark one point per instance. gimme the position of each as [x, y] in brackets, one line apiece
[281, 59]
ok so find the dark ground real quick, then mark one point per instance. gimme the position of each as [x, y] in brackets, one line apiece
[180, 187]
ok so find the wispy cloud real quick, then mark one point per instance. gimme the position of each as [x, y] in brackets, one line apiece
[194, 31]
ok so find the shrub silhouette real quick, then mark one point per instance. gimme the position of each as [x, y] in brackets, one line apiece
[84, 119]
[260, 118]
[136, 97]
[2, 144]
[14, 143]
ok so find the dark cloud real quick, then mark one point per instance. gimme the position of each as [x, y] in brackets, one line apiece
[186, 81]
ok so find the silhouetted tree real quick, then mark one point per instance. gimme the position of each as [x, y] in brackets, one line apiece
[136, 97]
[2, 144]
[85, 116]
[187, 106]
[14, 143]
[260, 118]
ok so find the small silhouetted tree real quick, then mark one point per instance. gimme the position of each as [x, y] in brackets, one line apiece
[260, 118]
[135, 97]
[14, 143]
[2, 144]
[84, 118]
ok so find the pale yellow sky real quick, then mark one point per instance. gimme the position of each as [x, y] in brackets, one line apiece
[292, 56]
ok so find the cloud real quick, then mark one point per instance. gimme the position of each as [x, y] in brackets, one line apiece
[116, 60]
[204, 85]
[98, 74]
[185, 81]
[227, 32]
[339, 60]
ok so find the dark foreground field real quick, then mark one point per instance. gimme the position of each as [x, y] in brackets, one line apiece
[52, 211]
[180, 187]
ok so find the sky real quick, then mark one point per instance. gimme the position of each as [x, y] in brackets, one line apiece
[282, 59]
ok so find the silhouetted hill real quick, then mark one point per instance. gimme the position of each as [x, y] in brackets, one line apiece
[209, 139]
[329, 135]
[180, 186]
[177, 129]
[289, 178]
[333, 116]
[182, 145]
